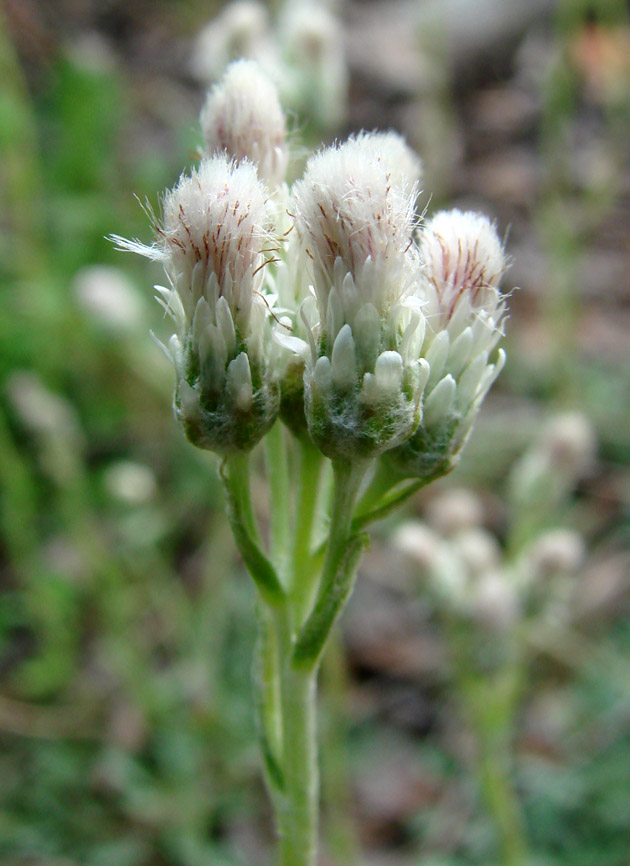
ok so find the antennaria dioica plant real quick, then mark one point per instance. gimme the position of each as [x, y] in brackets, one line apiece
[327, 322]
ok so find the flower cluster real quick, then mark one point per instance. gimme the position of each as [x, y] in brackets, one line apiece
[371, 330]
[470, 578]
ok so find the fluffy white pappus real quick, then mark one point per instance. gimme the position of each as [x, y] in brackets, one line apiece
[402, 162]
[214, 229]
[349, 208]
[463, 260]
[243, 118]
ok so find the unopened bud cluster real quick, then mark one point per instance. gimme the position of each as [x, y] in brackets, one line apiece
[471, 577]
[372, 331]
[562, 454]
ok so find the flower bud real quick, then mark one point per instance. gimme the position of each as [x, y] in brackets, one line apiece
[108, 296]
[455, 510]
[354, 216]
[495, 602]
[211, 242]
[315, 80]
[463, 260]
[239, 30]
[560, 551]
[547, 473]
[243, 118]
[419, 543]
[478, 549]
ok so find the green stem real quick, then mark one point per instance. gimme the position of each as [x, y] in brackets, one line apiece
[267, 699]
[298, 819]
[235, 475]
[490, 704]
[299, 815]
[342, 556]
[381, 482]
[388, 504]
[348, 479]
[339, 830]
[501, 799]
[386, 492]
[303, 564]
[278, 474]
[238, 476]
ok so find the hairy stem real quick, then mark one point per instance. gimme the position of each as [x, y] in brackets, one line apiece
[342, 555]
[495, 773]
[235, 476]
[303, 565]
[300, 810]
[277, 466]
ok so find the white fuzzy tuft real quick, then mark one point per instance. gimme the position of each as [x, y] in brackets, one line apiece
[464, 261]
[243, 118]
[403, 164]
[214, 229]
[353, 207]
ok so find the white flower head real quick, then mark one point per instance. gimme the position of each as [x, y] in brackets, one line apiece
[354, 216]
[351, 206]
[403, 164]
[211, 241]
[478, 549]
[130, 482]
[454, 511]
[464, 261]
[569, 441]
[546, 571]
[564, 452]
[214, 229]
[495, 603]
[421, 544]
[310, 33]
[243, 118]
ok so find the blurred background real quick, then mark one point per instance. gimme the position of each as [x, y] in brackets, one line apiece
[127, 731]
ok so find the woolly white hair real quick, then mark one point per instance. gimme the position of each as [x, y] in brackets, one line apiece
[242, 116]
[464, 261]
[354, 205]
